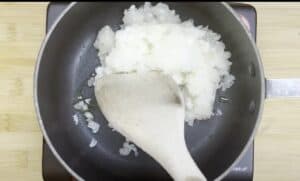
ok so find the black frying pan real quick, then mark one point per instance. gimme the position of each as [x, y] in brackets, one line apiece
[67, 58]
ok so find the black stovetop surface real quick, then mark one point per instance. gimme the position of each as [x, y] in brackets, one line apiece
[52, 170]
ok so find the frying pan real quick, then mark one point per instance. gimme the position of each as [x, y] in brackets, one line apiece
[67, 59]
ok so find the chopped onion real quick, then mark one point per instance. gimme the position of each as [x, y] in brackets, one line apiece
[81, 106]
[127, 149]
[94, 126]
[88, 100]
[89, 116]
[91, 81]
[93, 143]
[75, 119]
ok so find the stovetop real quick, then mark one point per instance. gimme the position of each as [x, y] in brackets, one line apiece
[52, 170]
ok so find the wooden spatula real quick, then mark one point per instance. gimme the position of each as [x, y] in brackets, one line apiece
[148, 109]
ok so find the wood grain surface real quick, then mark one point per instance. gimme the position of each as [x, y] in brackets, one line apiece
[22, 27]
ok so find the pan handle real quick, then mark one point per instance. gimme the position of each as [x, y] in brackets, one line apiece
[276, 88]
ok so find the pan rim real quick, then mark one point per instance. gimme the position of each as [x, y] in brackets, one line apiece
[35, 93]
[75, 174]
[262, 92]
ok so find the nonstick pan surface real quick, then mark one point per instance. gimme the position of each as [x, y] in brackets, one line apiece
[68, 58]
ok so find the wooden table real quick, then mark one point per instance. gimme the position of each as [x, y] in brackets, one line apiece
[22, 27]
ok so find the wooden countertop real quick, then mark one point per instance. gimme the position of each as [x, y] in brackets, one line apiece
[22, 27]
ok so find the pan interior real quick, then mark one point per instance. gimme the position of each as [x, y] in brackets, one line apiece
[69, 59]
